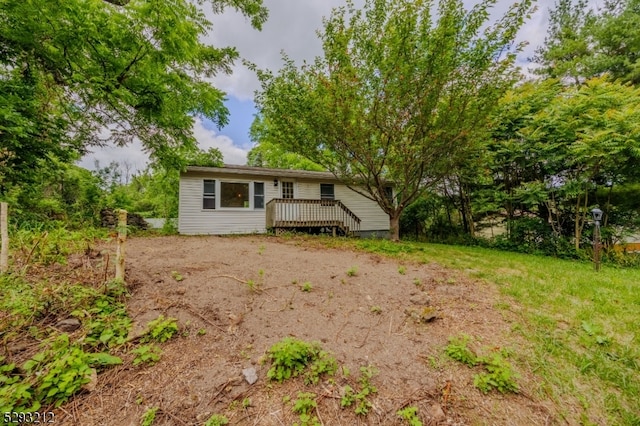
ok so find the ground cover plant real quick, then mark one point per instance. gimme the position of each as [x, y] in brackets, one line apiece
[63, 320]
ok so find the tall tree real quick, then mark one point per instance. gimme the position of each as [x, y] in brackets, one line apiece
[74, 71]
[399, 96]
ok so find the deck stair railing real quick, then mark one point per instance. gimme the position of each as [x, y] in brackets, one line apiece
[291, 213]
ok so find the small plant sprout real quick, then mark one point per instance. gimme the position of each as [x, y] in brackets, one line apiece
[177, 276]
[353, 271]
[149, 416]
[410, 414]
[376, 310]
[261, 249]
[402, 269]
[202, 332]
[217, 420]
[246, 403]
[306, 286]
[417, 282]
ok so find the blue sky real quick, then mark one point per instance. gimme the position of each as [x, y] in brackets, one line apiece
[291, 28]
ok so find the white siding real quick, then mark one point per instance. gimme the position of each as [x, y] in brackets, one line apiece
[195, 220]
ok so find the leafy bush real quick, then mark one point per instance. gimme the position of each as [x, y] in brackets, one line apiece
[51, 377]
[290, 357]
[148, 354]
[161, 329]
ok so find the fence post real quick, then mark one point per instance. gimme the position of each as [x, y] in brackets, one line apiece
[4, 238]
[122, 237]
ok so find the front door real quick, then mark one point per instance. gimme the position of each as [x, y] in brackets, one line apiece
[291, 210]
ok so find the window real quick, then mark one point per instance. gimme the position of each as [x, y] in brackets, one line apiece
[258, 195]
[234, 194]
[327, 191]
[209, 195]
[287, 189]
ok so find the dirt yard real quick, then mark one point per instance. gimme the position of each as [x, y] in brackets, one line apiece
[234, 297]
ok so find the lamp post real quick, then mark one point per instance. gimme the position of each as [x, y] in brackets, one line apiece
[597, 216]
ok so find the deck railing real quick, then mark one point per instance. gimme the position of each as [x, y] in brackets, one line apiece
[301, 213]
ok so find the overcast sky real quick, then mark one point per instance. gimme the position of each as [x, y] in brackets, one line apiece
[291, 27]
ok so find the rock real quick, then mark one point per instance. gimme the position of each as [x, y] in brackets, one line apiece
[68, 325]
[250, 375]
[93, 381]
[421, 298]
[437, 413]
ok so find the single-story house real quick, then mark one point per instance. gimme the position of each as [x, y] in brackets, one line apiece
[244, 199]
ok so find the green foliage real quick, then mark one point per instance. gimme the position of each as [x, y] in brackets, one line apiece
[290, 357]
[499, 372]
[217, 420]
[50, 377]
[499, 375]
[402, 270]
[146, 354]
[410, 414]
[91, 66]
[161, 329]
[360, 397]
[177, 276]
[353, 271]
[458, 350]
[304, 405]
[407, 102]
[306, 286]
[149, 416]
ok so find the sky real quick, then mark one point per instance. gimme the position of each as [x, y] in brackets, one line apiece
[291, 28]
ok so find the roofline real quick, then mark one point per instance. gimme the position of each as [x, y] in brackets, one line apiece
[262, 171]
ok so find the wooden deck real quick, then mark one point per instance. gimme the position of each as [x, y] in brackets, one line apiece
[312, 215]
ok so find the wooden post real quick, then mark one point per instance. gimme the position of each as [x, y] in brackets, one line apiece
[4, 238]
[122, 237]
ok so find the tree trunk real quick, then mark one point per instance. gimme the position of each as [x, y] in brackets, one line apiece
[394, 226]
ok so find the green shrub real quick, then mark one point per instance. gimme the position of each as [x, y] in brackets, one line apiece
[290, 357]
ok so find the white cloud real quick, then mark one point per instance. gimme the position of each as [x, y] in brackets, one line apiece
[231, 153]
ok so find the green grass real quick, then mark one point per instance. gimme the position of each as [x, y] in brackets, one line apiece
[583, 325]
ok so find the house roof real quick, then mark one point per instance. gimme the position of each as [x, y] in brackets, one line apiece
[262, 171]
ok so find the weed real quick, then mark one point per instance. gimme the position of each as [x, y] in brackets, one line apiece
[147, 354]
[217, 420]
[177, 276]
[500, 375]
[417, 282]
[161, 329]
[360, 398]
[149, 416]
[410, 414]
[376, 310]
[458, 350]
[261, 249]
[353, 271]
[304, 406]
[402, 269]
[290, 357]
[246, 403]
[306, 286]
[50, 377]
[202, 332]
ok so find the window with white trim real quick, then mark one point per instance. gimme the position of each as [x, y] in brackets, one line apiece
[327, 191]
[234, 195]
[209, 195]
[287, 190]
[258, 195]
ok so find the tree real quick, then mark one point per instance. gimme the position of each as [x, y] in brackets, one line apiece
[269, 153]
[72, 71]
[583, 42]
[397, 97]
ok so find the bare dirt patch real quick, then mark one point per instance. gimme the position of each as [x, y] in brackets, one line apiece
[235, 297]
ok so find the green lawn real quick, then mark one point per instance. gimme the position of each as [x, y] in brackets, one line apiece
[583, 325]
